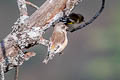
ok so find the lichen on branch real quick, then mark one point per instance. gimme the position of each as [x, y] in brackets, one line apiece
[28, 30]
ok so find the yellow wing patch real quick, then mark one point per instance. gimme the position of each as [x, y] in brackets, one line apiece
[53, 46]
[70, 23]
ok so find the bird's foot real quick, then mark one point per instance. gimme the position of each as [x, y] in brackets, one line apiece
[48, 57]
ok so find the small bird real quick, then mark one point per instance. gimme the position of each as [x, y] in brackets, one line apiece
[75, 18]
[58, 41]
[72, 20]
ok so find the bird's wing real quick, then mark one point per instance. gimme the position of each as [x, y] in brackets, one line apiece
[58, 38]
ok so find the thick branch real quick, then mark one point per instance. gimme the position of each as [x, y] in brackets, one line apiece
[27, 31]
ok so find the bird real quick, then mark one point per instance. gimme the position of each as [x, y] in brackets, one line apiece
[72, 19]
[75, 18]
[58, 41]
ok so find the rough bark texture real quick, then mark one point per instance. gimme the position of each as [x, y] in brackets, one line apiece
[27, 30]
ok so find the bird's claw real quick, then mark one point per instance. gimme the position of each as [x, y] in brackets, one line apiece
[49, 57]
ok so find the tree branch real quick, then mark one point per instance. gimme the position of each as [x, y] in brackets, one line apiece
[28, 30]
[16, 72]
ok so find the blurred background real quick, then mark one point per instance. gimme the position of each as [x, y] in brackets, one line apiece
[93, 53]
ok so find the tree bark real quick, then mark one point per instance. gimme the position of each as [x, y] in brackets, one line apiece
[28, 30]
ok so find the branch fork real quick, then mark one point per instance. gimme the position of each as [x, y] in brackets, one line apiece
[28, 30]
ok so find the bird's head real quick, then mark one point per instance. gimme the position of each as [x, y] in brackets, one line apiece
[60, 27]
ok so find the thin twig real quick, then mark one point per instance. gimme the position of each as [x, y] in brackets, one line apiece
[16, 73]
[22, 7]
[2, 71]
[92, 19]
[31, 4]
